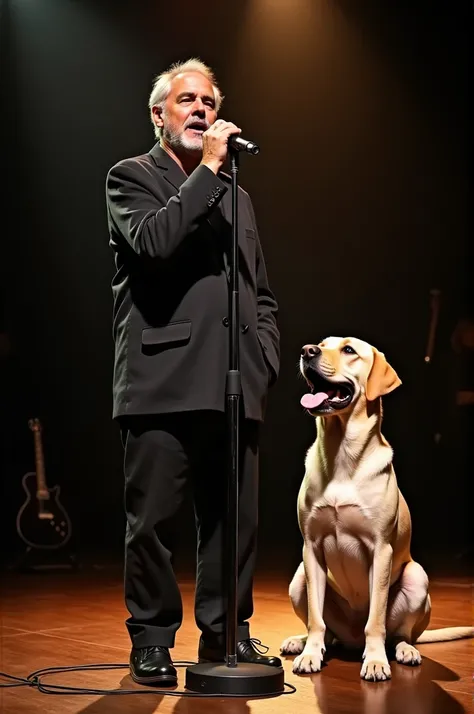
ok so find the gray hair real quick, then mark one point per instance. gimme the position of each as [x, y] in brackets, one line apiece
[162, 85]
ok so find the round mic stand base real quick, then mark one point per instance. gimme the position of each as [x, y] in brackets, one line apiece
[242, 680]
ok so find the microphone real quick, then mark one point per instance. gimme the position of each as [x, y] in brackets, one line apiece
[238, 144]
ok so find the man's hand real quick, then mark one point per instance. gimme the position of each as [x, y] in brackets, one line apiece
[214, 143]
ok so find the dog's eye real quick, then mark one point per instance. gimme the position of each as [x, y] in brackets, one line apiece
[349, 350]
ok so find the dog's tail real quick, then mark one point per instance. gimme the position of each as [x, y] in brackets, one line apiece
[445, 634]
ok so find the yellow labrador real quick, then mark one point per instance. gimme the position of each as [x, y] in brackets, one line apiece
[357, 584]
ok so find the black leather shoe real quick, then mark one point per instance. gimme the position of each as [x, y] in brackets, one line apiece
[152, 665]
[246, 650]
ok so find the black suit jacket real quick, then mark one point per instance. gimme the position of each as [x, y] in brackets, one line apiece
[171, 235]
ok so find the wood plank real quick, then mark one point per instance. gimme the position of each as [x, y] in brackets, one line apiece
[52, 619]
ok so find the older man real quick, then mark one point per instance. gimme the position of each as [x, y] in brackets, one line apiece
[169, 214]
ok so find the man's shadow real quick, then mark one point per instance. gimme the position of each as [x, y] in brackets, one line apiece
[149, 700]
[214, 705]
[146, 702]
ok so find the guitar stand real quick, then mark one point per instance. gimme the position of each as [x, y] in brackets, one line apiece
[34, 560]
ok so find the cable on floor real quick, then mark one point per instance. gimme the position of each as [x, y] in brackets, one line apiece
[35, 681]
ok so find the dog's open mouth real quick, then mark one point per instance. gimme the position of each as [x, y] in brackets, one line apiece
[325, 396]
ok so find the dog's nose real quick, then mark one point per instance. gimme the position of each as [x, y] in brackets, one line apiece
[310, 351]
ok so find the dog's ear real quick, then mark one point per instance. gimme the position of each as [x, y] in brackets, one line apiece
[382, 378]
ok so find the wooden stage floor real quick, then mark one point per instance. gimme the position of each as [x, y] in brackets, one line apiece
[69, 619]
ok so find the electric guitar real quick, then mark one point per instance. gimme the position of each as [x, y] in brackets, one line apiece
[42, 521]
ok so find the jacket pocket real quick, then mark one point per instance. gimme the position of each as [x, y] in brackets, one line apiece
[268, 364]
[172, 335]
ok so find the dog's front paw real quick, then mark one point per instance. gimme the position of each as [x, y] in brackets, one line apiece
[310, 660]
[407, 654]
[375, 670]
[293, 645]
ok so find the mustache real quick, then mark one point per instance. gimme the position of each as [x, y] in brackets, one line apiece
[196, 121]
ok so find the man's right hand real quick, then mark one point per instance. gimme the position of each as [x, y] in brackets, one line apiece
[214, 143]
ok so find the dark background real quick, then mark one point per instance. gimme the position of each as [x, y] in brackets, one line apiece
[361, 191]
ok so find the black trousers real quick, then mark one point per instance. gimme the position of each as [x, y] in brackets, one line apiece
[162, 454]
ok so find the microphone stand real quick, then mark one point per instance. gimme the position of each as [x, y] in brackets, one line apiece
[231, 677]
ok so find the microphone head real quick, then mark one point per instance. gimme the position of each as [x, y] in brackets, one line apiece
[236, 143]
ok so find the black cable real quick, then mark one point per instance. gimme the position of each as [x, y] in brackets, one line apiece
[19, 681]
[34, 680]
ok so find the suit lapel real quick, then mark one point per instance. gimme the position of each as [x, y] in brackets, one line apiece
[170, 169]
[220, 219]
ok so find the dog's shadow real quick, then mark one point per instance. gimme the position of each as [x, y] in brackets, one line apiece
[417, 687]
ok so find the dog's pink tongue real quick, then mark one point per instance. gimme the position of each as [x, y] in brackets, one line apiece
[312, 401]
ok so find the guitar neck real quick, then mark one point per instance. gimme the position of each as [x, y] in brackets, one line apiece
[435, 303]
[39, 461]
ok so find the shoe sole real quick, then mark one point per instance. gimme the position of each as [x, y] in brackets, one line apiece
[161, 679]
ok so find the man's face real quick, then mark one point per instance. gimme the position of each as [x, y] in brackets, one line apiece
[188, 111]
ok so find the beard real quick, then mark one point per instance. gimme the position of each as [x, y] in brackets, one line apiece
[178, 140]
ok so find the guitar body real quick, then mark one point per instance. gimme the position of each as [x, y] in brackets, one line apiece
[42, 522]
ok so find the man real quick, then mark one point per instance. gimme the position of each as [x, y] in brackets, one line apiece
[169, 215]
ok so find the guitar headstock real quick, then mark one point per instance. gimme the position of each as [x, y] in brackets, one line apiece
[34, 424]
